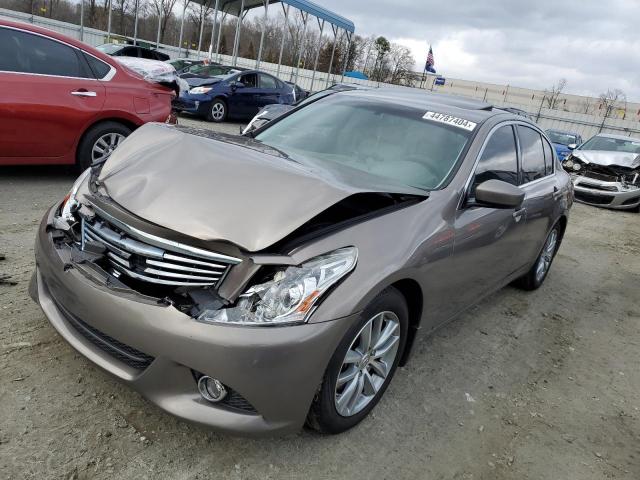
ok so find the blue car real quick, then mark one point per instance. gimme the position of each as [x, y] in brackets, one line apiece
[238, 95]
[564, 142]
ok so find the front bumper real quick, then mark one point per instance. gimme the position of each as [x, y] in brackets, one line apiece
[605, 194]
[276, 369]
[194, 104]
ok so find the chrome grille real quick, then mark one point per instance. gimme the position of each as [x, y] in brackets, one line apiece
[152, 259]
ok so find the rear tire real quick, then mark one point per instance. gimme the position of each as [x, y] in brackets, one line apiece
[330, 412]
[100, 136]
[535, 277]
[217, 111]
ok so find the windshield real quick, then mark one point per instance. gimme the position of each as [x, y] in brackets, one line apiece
[109, 48]
[379, 138]
[608, 144]
[562, 138]
[208, 69]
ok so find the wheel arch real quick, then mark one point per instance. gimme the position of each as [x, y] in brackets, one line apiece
[127, 123]
[413, 295]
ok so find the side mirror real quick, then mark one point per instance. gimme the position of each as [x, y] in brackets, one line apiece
[572, 146]
[499, 194]
[236, 84]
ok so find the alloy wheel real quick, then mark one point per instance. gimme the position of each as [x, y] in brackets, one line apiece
[544, 262]
[105, 145]
[367, 363]
[217, 111]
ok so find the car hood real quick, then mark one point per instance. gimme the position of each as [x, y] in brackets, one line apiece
[225, 187]
[599, 157]
[198, 81]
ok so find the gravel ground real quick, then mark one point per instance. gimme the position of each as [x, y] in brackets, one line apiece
[540, 385]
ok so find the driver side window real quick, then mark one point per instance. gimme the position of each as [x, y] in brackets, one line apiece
[499, 160]
[249, 80]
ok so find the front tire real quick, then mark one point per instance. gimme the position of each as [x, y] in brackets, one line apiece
[535, 277]
[99, 142]
[217, 111]
[362, 366]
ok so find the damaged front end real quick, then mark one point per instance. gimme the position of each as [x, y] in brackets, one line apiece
[211, 281]
[611, 186]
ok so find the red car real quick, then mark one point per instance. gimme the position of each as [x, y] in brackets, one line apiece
[64, 102]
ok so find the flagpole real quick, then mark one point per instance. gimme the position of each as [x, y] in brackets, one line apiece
[424, 71]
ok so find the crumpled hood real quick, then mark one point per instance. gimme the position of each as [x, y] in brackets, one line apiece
[599, 157]
[201, 81]
[224, 187]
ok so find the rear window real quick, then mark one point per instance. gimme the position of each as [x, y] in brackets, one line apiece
[99, 68]
[377, 138]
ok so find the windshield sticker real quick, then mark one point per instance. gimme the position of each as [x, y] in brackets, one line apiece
[450, 120]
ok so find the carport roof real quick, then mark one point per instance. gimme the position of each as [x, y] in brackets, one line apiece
[233, 7]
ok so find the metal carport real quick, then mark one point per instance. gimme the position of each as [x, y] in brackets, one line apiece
[239, 9]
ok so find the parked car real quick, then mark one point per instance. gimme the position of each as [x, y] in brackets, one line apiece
[64, 102]
[606, 171]
[126, 50]
[271, 112]
[253, 284]
[236, 95]
[564, 142]
[183, 64]
[210, 70]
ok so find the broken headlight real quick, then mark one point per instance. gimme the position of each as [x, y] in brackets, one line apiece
[69, 203]
[290, 295]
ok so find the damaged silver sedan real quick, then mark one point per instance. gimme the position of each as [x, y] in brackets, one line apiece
[606, 171]
[253, 284]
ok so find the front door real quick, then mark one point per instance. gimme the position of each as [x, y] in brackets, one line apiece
[243, 101]
[487, 244]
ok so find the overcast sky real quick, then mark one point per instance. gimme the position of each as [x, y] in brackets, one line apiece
[594, 44]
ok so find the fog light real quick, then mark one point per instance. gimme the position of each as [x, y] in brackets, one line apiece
[211, 389]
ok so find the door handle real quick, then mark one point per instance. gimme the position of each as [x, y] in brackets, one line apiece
[83, 93]
[517, 215]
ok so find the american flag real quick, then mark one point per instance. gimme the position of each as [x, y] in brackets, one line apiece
[429, 66]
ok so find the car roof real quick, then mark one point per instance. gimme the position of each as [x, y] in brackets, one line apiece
[466, 108]
[618, 137]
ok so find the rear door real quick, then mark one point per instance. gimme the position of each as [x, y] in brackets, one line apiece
[48, 95]
[269, 91]
[487, 245]
[539, 184]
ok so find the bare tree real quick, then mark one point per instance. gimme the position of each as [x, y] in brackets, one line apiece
[163, 9]
[400, 65]
[552, 94]
[610, 101]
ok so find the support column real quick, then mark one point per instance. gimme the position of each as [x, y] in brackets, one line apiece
[135, 24]
[203, 13]
[284, 35]
[236, 40]
[315, 63]
[264, 23]
[305, 17]
[333, 51]
[213, 26]
[222, 19]
[159, 22]
[109, 24]
[184, 11]
[81, 20]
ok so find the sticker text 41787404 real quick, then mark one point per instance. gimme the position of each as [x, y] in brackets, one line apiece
[450, 120]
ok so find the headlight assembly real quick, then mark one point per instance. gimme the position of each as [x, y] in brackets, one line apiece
[290, 295]
[200, 90]
[70, 202]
